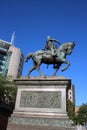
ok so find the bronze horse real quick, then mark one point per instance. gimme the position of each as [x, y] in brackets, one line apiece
[42, 56]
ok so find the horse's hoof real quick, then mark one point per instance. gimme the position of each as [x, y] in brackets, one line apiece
[26, 60]
[63, 70]
[28, 77]
[53, 75]
[43, 75]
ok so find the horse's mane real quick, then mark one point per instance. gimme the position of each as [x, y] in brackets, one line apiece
[64, 46]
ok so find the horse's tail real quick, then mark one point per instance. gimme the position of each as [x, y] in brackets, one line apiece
[28, 57]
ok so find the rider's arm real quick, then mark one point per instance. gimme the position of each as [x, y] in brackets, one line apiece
[56, 41]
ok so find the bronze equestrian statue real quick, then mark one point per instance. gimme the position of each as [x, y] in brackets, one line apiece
[54, 55]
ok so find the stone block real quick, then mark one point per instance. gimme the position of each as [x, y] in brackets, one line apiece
[41, 103]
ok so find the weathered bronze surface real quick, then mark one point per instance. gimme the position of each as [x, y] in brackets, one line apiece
[56, 56]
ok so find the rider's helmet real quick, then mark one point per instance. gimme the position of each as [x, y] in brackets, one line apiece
[48, 38]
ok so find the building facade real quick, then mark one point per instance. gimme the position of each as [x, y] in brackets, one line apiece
[71, 94]
[11, 60]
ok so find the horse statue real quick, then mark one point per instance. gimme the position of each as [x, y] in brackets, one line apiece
[45, 57]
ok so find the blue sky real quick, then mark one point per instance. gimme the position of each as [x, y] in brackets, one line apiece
[64, 20]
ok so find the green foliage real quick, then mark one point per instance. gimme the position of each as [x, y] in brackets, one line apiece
[8, 91]
[82, 114]
[70, 109]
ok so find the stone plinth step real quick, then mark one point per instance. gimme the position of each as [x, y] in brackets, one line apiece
[29, 127]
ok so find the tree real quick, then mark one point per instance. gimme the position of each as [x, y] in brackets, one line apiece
[70, 109]
[82, 114]
[8, 91]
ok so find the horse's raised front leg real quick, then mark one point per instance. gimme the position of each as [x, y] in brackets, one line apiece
[67, 64]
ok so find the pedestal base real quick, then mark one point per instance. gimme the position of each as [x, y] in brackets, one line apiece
[41, 104]
[20, 123]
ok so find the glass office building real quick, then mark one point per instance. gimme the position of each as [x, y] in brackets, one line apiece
[11, 60]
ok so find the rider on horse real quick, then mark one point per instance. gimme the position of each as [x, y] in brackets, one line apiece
[50, 46]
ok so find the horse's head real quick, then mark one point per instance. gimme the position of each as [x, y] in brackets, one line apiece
[70, 47]
[67, 47]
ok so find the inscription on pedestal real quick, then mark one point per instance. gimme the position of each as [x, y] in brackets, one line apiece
[41, 99]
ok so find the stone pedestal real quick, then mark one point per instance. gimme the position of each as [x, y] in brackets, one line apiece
[41, 102]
